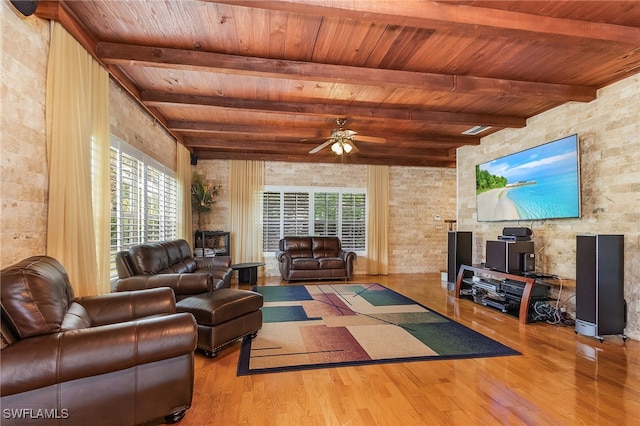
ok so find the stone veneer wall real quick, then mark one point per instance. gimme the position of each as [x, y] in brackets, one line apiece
[24, 190]
[609, 134]
[417, 243]
[24, 176]
[138, 128]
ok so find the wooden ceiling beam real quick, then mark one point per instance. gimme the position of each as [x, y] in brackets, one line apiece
[329, 158]
[158, 99]
[442, 15]
[222, 129]
[304, 148]
[122, 54]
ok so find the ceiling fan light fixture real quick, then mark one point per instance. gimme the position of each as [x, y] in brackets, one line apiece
[337, 148]
[476, 130]
[347, 147]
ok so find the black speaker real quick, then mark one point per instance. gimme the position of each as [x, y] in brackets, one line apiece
[600, 305]
[26, 7]
[194, 159]
[458, 252]
[517, 232]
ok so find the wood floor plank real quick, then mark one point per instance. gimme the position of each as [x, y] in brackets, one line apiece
[560, 379]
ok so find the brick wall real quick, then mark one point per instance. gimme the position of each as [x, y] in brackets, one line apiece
[609, 134]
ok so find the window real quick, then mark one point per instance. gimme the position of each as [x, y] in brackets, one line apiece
[143, 199]
[337, 212]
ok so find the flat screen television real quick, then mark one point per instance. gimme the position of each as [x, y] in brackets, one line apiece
[538, 183]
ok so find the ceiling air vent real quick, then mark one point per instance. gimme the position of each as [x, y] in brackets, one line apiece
[476, 130]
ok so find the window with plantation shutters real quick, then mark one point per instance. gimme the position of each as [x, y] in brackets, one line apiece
[143, 199]
[314, 211]
[295, 213]
[353, 214]
[326, 213]
[271, 220]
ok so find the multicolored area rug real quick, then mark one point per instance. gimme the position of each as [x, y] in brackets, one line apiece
[332, 325]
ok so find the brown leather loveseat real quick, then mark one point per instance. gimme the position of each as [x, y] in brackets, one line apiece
[223, 314]
[120, 358]
[314, 258]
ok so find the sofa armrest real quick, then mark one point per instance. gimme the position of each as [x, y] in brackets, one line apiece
[181, 284]
[213, 262]
[55, 358]
[284, 263]
[128, 306]
[283, 256]
[347, 256]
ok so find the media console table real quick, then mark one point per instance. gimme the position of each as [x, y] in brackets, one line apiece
[465, 270]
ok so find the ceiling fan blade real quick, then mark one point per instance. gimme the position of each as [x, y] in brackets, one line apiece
[321, 146]
[323, 138]
[372, 139]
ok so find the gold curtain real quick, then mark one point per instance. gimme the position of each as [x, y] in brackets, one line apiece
[77, 115]
[184, 227]
[246, 180]
[378, 220]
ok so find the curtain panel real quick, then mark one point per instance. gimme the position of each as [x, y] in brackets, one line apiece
[377, 220]
[184, 227]
[77, 121]
[246, 182]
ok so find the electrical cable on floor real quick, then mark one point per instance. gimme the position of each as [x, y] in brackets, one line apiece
[542, 311]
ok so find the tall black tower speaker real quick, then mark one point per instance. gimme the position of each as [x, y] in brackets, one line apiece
[458, 253]
[600, 305]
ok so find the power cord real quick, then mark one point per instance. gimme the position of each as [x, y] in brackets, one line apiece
[542, 311]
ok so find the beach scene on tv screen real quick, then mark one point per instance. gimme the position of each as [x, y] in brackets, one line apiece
[538, 183]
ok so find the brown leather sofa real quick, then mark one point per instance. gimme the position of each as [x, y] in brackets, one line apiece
[170, 263]
[223, 314]
[121, 358]
[314, 258]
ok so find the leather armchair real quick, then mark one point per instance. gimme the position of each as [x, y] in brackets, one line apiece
[121, 358]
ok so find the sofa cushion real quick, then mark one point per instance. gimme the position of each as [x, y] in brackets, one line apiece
[305, 263]
[76, 318]
[297, 247]
[36, 295]
[149, 258]
[326, 247]
[331, 263]
[183, 267]
[173, 252]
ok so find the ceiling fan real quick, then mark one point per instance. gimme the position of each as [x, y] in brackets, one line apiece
[342, 141]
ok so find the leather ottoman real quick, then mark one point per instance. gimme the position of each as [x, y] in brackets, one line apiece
[223, 316]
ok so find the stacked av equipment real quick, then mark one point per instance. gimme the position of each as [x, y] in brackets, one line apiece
[509, 256]
[600, 304]
[458, 253]
[515, 234]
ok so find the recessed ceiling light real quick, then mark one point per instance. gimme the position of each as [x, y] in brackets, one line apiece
[475, 130]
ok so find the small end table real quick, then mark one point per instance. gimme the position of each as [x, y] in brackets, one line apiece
[247, 272]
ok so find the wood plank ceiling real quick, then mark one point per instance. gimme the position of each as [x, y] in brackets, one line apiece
[240, 79]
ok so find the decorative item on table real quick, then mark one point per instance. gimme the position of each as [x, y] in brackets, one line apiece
[202, 195]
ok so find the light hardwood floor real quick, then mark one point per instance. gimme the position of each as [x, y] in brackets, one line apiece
[560, 379]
